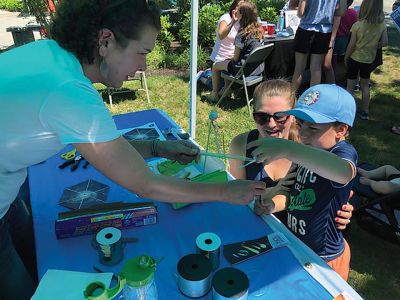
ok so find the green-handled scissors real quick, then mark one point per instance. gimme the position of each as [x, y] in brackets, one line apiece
[69, 155]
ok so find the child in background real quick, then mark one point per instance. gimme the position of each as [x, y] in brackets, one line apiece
[382, 180]
[314, 36]
[367, 35]
[327, 167]
[343, 33]
[248, 38]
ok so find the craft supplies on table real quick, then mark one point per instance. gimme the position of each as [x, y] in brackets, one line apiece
[194, 275]
[230, 283]
[109, 241]
[116, 214]
[208, 244]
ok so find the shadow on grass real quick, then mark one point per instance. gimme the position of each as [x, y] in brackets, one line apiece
[122, 95]
[394, 42]
[373, 139]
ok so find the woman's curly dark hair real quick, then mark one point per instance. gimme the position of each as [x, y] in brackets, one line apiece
[77, 23]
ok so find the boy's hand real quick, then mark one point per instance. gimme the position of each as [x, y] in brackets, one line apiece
[264, 204]
[267, 149]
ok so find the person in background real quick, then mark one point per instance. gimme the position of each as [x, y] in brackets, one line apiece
[327, 65]
[382, 180]
[271, 97]
[367, 35]
[53, 103]
[224, 48]
[313, 36]
[249, 37]
[327, 166]
[343, 33]
[291, 5]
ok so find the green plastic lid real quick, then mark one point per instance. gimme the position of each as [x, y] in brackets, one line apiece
[139, 271]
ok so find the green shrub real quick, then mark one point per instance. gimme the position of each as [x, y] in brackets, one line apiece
[11, 5]
[156, 58]
[268, 10]
[269, 14]
[208, 19]
[165, 36]
[181, 61]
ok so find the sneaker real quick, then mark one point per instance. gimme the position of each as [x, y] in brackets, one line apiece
[364, 115]
[357, 88]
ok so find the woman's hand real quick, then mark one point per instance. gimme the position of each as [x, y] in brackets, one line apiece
[183, 151]
[243, 191]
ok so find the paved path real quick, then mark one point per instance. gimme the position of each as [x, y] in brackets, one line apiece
[8, 19]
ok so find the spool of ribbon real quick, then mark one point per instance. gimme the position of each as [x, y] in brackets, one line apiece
[230, 283]
[194, 275]
[110, 246]
[208, 244]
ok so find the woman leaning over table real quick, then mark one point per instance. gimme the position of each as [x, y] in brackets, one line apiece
[271, 97]
[48, 100]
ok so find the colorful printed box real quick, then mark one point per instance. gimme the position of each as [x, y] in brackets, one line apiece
[91, 220]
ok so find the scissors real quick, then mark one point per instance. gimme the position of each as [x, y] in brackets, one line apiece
[70, 155]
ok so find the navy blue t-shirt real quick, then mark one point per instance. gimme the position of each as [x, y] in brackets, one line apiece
[313, 205]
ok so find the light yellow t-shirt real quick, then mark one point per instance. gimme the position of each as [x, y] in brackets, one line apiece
[367, 39]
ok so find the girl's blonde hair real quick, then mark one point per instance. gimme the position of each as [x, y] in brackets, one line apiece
[372, 11]
[278, 88]
[248, 20]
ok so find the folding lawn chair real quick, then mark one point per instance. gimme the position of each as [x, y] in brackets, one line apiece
[141, 76]
[243, 77]
[377, 213]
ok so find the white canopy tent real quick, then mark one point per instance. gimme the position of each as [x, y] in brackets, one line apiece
[194, 26]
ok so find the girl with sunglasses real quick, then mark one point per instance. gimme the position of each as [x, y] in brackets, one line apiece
[270, 98]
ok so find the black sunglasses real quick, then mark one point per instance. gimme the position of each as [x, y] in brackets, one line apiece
[262, 117]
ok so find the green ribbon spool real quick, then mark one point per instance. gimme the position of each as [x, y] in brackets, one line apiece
[137, 272]
[98, 291]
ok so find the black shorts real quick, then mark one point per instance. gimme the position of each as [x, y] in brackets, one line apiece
[307, 41]
[353, 67]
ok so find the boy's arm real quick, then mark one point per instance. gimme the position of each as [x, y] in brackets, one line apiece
[324, 163]
[301, 9]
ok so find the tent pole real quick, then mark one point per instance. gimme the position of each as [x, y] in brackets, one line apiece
[193, 65]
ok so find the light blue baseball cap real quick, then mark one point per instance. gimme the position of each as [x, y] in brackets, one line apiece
[325, 103]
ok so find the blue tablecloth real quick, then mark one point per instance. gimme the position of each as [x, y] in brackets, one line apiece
[277, 274]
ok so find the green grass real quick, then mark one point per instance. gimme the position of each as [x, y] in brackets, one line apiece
[375, 264]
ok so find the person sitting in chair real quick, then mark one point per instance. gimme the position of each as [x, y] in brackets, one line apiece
[249, 38]
[382, 180]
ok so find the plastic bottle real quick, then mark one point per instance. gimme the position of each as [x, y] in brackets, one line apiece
[281, 21]
[138, 274]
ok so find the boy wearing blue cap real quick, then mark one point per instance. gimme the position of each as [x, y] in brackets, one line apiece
[324, 178]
